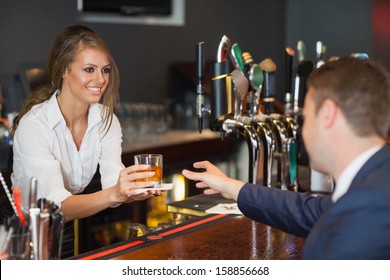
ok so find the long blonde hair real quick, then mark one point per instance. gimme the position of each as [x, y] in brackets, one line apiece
[61, 55]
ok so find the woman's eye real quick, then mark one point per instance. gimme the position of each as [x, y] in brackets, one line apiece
[89, 69]
[106, 70]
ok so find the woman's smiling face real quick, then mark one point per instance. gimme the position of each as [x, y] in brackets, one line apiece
[87, 77]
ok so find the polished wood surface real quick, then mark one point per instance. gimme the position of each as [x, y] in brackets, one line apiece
[235, 238]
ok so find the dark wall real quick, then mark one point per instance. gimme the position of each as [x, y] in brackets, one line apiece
[144, 53]
[344, 26]
[381, 30]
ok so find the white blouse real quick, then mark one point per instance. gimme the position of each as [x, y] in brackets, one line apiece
[44, 148]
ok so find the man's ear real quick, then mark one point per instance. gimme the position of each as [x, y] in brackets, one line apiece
[329, 112]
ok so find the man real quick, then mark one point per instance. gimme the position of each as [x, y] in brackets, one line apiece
[346, 125]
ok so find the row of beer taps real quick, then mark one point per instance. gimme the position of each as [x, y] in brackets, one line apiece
[242, 104]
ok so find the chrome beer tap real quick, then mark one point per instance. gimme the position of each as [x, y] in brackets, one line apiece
[267, 147]
[281, 136]
[292, 147]
[245, 129]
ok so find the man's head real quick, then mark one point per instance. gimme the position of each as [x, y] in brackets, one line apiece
[347, 104]
[360, 88]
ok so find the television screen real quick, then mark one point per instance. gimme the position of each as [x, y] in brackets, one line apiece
[127, 7]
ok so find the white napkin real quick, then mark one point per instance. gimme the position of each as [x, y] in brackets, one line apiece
[164, 187]
[224, 208]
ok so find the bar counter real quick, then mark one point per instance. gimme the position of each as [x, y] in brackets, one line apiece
[181, 149]
[211, 237]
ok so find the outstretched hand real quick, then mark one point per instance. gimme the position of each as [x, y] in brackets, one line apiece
[214, 180]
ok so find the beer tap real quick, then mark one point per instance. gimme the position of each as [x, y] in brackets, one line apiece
[248, 63]
[264, 132]
[289, 56]
[241, 84]
[292, 161]
[221, 87]
[284, 130]
[292, 147]
[267, 146]
[244, 128]
[281, 135]
[236, 57]
[320, 53]
[256, 78]
[199, 89]
[302, 53]
[268, 67]
[304, 69]
[264, 141]
[239, 79]
[223, 49]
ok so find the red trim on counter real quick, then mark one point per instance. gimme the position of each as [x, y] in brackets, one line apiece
[194, 224]
[113, 250]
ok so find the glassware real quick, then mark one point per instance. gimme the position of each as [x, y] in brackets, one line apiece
[156, 164]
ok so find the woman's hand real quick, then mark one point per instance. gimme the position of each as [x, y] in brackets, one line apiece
[127, 187]
[215, 179]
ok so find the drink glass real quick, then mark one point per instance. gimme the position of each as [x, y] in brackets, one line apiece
[156, 165]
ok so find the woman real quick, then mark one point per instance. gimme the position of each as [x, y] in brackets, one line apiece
[68, 128]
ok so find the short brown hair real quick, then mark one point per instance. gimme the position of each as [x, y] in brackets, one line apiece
[361, 89]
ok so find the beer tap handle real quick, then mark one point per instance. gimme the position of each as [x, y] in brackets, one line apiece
[320, 54]
[304, 69]
[223, 49]
[289, 56]
[268, 67]
[292, 156]
[200, 64]
[302, 52]
[236, 57]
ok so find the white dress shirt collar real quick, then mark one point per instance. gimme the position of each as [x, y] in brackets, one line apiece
[55, 116]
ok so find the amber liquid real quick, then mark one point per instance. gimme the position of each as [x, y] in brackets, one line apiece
[157, 177]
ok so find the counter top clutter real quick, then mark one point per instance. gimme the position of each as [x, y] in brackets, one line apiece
[33, 233]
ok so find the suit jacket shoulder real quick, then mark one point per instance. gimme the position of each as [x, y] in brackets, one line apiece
[357, 226]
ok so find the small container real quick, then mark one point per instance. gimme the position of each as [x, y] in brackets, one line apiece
[135, 230]
[19, 247]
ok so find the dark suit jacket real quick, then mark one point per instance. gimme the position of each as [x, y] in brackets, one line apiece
[357, 226]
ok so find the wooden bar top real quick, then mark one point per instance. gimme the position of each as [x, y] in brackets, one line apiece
[214, 237]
